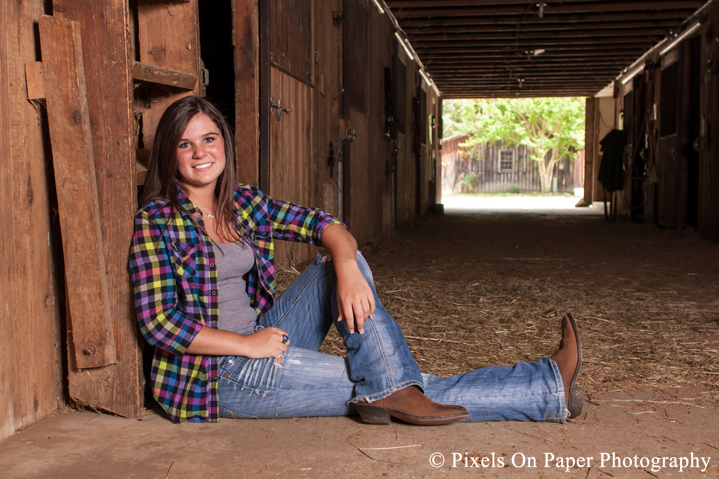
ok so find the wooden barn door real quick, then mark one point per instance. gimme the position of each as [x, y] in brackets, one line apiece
[286, 99]
[667, 154]
[354, 111]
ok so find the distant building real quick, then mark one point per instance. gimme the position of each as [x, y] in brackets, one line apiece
[498, 167]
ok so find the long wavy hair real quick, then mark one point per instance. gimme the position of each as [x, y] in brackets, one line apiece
[163, 179]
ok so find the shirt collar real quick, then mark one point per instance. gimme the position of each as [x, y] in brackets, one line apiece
[187, 203]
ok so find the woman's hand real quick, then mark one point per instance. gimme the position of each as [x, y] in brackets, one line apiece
[355, 299]
[354, 295]
[265, 343]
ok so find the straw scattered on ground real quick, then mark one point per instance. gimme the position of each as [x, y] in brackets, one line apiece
[636, 334]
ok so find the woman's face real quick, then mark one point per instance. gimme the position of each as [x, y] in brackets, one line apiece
[200, 153]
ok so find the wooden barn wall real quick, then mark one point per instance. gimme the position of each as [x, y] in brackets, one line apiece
[34, 360]
[460, 161]
[370, 185]
[30, 317]
[328, 132]
[666, 185]
[119, 388]
[406, 163]
[323, 111]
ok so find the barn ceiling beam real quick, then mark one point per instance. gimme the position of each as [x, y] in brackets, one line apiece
[526, 93]
[499, 73]
[525, 85]
[397, 4]
[549, 10]
[536, 43]
[548, 27]
[466, 66]
[549, 49]
[547, 57]
[512, 34]
[648, 16]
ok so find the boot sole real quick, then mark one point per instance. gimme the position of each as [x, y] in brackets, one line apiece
[379, 415]
[575, 402]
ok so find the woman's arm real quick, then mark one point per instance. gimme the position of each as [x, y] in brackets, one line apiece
[310, 225]
[163, 325]
[354, 295]
[265, 343]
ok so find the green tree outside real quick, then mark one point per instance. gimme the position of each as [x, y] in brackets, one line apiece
[551, 128]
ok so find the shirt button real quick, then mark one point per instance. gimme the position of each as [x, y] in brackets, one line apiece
[214, 293]
[212, 265]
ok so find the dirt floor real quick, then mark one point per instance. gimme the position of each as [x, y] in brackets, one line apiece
[475, 288]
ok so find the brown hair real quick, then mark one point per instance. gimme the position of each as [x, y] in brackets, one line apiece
[163, 179]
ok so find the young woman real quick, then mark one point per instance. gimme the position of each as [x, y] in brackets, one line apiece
[203, 273]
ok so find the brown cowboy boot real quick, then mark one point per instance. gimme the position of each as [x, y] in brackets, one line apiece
[409, 405]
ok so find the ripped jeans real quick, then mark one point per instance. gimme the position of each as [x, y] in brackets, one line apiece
[308, 383]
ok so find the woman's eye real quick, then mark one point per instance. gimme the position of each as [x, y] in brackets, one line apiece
[209, 139]
[184, 145]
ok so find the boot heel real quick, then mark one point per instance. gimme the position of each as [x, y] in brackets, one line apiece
[372, 414]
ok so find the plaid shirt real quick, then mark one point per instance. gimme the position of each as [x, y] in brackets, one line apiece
[175, 281]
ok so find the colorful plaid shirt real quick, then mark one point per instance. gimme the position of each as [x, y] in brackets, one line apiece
[175, 282]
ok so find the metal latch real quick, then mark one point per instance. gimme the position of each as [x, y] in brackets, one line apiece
[279, 108]
[351, 135]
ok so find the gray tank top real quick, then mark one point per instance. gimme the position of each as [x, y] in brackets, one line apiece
[234, 260]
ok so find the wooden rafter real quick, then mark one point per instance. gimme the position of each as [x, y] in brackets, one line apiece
[486, 48]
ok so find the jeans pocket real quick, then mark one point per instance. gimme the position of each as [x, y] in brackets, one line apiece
[255, 375]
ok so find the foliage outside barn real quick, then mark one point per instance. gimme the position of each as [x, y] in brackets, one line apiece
[513, 145]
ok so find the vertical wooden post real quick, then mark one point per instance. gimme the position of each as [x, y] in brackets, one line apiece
[589, 153]
[247, 75]
[264, 97]
[708, 214]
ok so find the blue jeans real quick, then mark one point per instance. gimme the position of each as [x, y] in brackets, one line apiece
[308, 383]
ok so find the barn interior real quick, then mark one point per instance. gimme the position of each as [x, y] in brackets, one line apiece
[338, 104]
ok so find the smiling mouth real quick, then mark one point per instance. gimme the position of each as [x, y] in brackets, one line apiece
[202, 166]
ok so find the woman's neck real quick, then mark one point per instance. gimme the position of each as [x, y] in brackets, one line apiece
[203, 198]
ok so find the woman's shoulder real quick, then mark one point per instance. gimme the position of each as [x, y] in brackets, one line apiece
[249, 197]
[158, 209]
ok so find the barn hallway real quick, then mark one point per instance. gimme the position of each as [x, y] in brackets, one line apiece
[471, 290]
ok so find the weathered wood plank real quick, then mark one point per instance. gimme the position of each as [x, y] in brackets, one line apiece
[30, 352]
[35, 81]
[69, 123]
[162, 76]
[247, 107]
[8, 370]
[326, 141]
[117, 388]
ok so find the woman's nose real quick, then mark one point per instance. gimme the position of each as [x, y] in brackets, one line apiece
[199, 152]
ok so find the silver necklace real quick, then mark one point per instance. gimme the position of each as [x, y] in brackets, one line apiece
[212, 217]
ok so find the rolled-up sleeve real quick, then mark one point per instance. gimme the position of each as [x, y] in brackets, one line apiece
[153, 276]
[296, 223]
